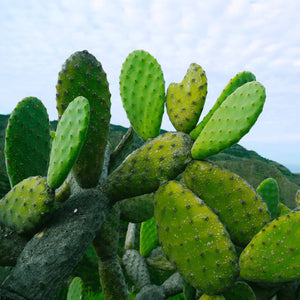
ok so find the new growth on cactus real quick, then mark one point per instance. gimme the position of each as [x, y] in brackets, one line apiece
[203, 227]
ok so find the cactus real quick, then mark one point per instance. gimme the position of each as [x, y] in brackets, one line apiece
[194, 239]
[185, 100]
[27, 142]
[148, 237]
[273, 254]
[231, 121]
[212, 297]
[69, 138]
[198, 219]
[82, 75]
[142, 89]
[297, 199]
[236, 203]
[237, 81]
[76, 289]
[27, 205]
[269, 191]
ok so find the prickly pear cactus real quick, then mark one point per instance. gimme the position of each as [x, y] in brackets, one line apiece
[212, 297]
[194, 239]
[297, 199]
[76, 289]
[231, 121]
[282, 210]
[69, 138]
[269, 191]
[148, 237]
[160, 159]
[83, 75]
[237, 204]
[273, 255]
[142, 89]
[234, 83]
[26, 207]
[240, 290]
[185, 100]
[27, 142]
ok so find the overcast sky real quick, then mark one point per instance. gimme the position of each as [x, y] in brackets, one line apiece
[224, 37]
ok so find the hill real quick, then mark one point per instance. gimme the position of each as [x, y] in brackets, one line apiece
[246, 163]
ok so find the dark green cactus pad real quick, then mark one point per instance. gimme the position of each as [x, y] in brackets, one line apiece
[237, 204]
[269, 191]
[160, 159]
[282, 210]
[83, 75]
[68, 141]
[240, 290]
[26, 207]
[142, 89]
[185, 100]
[194, 239]
[76, 289]
[148, 237]
[237, 81]
[27, 142]
[273, 255]
[231, 121]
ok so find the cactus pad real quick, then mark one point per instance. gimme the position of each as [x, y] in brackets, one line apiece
[27, 144]
[83, 75]
[27, 205]
[273, 255]
[240, 290]
[237, 81]
[282, 210]
[194, 239]
[237, 204]
[142, 89]
[185, 100]
[231, 121]
[212, 297]
[69, 138]
[76, 289]
[269, 191]
[159, 159]
[148, 237]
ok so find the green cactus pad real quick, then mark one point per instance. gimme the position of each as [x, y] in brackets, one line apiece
[142, 89]
[64, 191]
[185, 100]
[237, 81]
[237, 204]
[82, 75]
[273, 255]
[27, 143]
[69, 138]
[231, 121]
[194, 239]
[26, 207]
[269, 191]
[159, 159]
[212, 297]
[76, 289]
[282, 210]
[240, 290]
[148, 237]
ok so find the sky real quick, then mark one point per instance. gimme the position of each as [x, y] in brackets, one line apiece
[223, 37]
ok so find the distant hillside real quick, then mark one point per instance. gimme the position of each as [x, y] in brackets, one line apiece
[248, 164]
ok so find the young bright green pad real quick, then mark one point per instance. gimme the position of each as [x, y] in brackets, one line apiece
[162, 158]
[237, 204]
[142, 89]
[185, 100]
[69, 138]
[282, 210]
[269, 191]
[231, 121]
[148, 237]
[76, 289]
[194, 239]
[212, 297]
[27, 205]
[273, 255]
[27, 142]
[237, 81]
[82, 75]
[240, 290]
